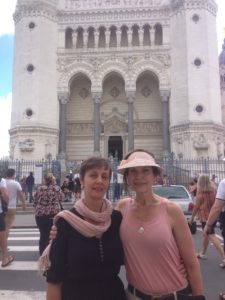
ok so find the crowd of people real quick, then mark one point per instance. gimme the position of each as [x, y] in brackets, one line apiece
[145, 232]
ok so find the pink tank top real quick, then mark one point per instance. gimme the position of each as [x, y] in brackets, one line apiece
[152, 260]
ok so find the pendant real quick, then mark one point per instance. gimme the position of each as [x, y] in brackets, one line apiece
[141, 229]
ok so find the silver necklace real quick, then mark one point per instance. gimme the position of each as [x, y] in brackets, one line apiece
[141, 229]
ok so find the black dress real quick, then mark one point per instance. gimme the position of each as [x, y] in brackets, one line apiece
[87, 267]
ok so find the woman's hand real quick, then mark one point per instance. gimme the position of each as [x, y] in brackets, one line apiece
[53, 232]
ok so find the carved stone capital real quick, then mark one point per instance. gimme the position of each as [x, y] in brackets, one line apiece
[63, 97]
[165, 95]
[96, 96]
[130, 96]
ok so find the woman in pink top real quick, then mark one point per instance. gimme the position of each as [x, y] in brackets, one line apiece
[159, 252]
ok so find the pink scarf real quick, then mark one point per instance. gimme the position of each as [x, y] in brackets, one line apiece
[102, 222]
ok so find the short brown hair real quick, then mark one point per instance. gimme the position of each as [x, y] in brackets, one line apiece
[95, 162]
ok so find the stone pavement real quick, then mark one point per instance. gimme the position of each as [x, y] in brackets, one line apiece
[24, 221]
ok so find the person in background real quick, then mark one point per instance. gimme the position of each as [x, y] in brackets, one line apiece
[14, 190]
[214, 181]
[30, 186]
[204, 201]
[6, 258]
[192, 188]
[47, 203]
[24, 185]
[77, 188]
[156, 239]
[217, 208]
[87, 253]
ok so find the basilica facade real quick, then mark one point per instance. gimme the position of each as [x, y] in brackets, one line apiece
[105, 76]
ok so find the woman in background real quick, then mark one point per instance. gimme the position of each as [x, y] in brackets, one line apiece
[205, 199]
[47, 203]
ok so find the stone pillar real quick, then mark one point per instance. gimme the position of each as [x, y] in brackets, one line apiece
[63, 98]
[74, 38]
[152, 35]
[85, 38]
[141, 36]
[96, 37]
[97, 122]
[165, 94]
[130, 100]
[129, 36]
[107, 37]
[118, 37]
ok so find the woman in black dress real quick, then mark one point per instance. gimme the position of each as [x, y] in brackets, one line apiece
[86, 256]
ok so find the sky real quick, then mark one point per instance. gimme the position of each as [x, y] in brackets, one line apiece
[7, 8]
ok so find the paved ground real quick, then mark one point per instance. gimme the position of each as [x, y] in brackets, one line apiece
[24, 220]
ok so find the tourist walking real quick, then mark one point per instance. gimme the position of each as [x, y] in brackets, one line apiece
[30, 186]
[47, 203]
[217, 208]
[204, 201]
[87, 253]
[14, 190]
[6, 258]
[159, 252]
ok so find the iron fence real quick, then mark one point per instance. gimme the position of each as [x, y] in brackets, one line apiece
[24, 167]
[178, 171]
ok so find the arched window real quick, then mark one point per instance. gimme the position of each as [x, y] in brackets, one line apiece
[80, 40]
[158, 34]
[135, 36]
[124, 38]
[102, 42]
[68, 38]
[112, 40]
[147, 41]
[91, 38]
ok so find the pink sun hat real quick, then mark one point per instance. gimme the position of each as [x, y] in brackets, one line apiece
[138, 159]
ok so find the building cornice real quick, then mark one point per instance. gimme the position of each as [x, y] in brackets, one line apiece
[209, 5]
[32, 130]
[36, 9]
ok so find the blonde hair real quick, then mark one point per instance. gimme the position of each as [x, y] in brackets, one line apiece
[204, 184]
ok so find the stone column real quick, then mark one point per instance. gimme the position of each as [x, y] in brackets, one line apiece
[130, 100]
[85, 38]
[165, 94]
[141, 36]
[96, 37]
[107, 37]
[74, 38]
[118, 37]
[152, 35]
[97, 122]
[63, 98]
[129, 36]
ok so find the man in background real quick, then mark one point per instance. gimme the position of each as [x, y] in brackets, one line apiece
[14, 190]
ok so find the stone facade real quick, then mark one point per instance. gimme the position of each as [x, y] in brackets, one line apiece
[100, 77]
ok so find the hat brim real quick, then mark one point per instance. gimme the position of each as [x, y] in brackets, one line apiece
[138, 162]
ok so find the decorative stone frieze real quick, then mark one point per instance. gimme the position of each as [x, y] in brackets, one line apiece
[80, 129]
[115, 126]
[26, 145]
[200, 142]
[148, 128]
[109, 4]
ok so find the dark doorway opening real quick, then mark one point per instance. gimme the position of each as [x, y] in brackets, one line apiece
[115, 147]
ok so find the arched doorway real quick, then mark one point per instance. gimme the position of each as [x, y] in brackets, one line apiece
[115, 147]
